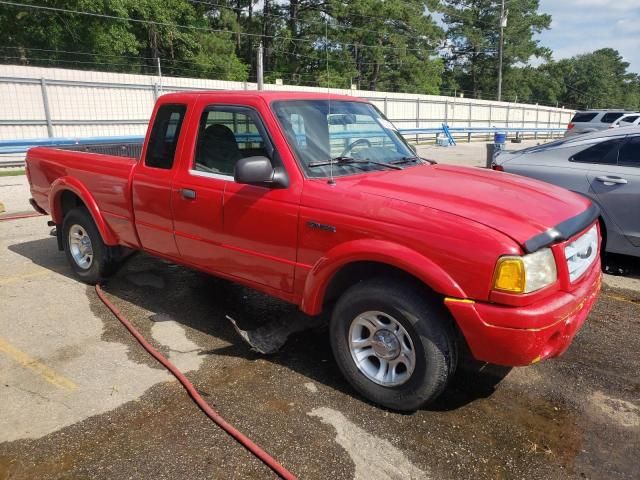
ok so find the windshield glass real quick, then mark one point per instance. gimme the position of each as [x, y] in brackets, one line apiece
[351, 133]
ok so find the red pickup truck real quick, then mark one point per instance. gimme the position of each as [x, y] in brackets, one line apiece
[318, 200]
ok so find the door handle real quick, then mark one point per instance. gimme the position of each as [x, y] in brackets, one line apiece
[611, 180]
[187, 193]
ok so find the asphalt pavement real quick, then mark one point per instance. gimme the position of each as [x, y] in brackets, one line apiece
[80, 398]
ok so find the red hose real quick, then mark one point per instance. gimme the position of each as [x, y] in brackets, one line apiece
[18, 217]
[210, 412]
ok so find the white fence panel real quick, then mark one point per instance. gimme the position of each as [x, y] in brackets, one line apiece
[38, 102]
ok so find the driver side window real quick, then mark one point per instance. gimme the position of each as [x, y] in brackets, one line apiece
[225, 135]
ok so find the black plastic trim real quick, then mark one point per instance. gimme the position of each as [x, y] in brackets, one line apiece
[564, 230]
[36, 207]
[59, 237]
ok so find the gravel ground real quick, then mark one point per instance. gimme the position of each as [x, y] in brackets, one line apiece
[81, 399]
[572, 417]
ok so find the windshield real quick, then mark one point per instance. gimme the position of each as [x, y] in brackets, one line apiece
[354, 134]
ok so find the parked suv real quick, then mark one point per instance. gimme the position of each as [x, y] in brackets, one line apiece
[592, 121]
[629, 120]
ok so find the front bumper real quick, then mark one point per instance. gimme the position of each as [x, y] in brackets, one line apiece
[548, 326]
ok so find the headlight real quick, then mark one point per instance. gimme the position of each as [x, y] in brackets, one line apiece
[581, 253]
[525, 274]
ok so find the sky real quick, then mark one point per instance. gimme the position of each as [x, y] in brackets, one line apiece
[581, 26]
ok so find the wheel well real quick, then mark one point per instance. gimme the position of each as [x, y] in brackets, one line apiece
[356, 272]
[69, 201]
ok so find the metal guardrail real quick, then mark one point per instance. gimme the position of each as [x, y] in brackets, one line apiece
[479, 130]
[10, 150]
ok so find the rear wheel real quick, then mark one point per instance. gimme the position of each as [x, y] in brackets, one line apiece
[89, 257]
[394, 343]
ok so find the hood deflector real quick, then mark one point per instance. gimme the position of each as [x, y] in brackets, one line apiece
[564, 230]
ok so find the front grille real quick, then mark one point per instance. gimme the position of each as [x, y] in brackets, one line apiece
[581, 253]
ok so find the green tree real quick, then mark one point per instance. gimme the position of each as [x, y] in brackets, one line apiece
[142, 31]
[390, 45]
[600, 80]
[473, 33]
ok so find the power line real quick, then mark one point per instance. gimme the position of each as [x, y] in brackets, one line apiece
[383, 63]
[81, 53]
[51, 60]
[191, 27]
[171, 61]
[129, 57]
[151, 66]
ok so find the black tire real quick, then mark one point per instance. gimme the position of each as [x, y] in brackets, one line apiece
[104, 261]
[425, 320]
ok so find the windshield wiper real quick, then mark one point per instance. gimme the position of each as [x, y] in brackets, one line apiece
[351, 161]
[412, 159]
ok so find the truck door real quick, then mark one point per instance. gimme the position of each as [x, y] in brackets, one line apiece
[153, 178]
[239, 231]
[618, 189]
[198, 193]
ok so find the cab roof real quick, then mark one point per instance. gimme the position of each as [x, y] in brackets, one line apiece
[267, 95]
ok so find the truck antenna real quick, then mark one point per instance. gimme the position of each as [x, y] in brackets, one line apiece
[326, 51]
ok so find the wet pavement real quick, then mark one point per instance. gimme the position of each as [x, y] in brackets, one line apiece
[573, 417]
[80, 398]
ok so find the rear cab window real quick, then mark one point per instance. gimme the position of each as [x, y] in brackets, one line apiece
[164, 136]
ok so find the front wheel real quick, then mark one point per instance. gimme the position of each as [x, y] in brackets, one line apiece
[394, 343]
[88, 256]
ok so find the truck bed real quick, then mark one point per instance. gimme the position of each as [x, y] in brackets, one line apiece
[131, 150]
[105, 175]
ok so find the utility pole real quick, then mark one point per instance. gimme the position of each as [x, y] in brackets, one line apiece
[260, 68]
[159, 74]
[503, 23]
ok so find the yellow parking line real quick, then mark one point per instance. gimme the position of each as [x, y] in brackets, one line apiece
[35, 365]
[25, 276]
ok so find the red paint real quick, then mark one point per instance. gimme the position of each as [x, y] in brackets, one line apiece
[517, 336]
[444, 225]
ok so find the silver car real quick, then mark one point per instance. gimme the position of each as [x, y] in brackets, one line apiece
[629, 120]
[604, 166]
[593, 121]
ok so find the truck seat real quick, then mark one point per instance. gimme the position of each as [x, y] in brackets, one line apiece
[218, 150]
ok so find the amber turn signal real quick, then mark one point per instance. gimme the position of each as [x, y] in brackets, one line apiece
[510, 275]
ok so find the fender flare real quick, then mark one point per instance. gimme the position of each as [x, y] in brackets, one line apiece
[379, 251]
[59, 186]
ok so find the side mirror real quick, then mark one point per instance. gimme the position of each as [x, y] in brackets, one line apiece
[259, 171]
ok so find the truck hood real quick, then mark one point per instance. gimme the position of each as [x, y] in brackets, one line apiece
[516, 206]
